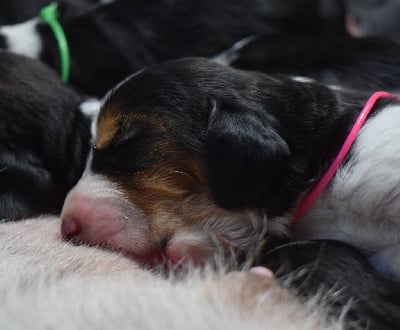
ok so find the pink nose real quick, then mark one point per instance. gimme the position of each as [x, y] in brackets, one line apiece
[105, 221]
[76, 218]
[71, 227]
[87, 219]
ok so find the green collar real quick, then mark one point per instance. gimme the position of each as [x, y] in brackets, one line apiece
[49, 14]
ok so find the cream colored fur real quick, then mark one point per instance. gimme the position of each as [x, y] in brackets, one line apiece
[47, 283]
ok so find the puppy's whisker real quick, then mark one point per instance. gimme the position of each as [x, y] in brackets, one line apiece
[182, 173]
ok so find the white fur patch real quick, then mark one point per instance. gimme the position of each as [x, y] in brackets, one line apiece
[362, 204]
[23, 38]
[91, 108]
[230, 55]
[335, 87]
[303, 79]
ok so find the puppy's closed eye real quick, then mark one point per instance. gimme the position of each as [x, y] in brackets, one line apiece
[127, 156]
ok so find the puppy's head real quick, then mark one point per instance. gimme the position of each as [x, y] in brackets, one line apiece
[184, 156]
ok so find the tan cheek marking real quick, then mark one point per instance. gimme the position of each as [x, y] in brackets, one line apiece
[165, 194]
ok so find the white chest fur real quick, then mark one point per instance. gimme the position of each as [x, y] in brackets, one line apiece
[361, 205]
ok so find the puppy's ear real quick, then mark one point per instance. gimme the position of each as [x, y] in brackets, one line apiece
[244, 154]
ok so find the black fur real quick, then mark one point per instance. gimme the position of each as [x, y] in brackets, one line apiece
[258, 152]
[3, 43]
[12, 12]
[368, 64]
[43, 138]
[115, 40]
[363, 297]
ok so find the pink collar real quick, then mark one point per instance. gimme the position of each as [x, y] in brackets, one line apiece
[315, 192]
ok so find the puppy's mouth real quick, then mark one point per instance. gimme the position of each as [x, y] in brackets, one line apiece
[163, 260]
[188, 247]
[123, 229]
[96, 213]
[155, 259]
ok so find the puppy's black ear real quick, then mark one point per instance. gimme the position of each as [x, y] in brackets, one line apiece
[244, 154]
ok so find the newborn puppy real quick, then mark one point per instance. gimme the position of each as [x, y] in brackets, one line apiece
[372, 17]
[114, 40]
[368, 64]
[43, 138]
[192, 157]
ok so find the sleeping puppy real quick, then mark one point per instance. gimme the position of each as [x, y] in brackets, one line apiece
[114, 40]
[368, 64]
[356, 292]
[43, 138]
[191, 157]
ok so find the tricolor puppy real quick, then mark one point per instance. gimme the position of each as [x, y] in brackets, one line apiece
[44, 138]
[192, 157]
[118, 38]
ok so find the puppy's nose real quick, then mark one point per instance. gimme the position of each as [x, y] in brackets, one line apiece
[71, 227]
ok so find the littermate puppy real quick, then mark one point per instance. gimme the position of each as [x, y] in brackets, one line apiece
[43, 138]
[191, 157]
[12, 12]
[368, 64]
[113, 40]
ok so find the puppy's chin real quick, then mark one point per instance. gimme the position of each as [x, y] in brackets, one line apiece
[196, 247]
[212, 247]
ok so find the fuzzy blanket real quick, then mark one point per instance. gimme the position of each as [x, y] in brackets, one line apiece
[47, 283]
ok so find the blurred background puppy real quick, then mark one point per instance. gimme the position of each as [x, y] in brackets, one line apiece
[44, 138]
[115, 39]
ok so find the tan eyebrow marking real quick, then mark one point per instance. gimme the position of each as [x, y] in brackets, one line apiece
[107, 127]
